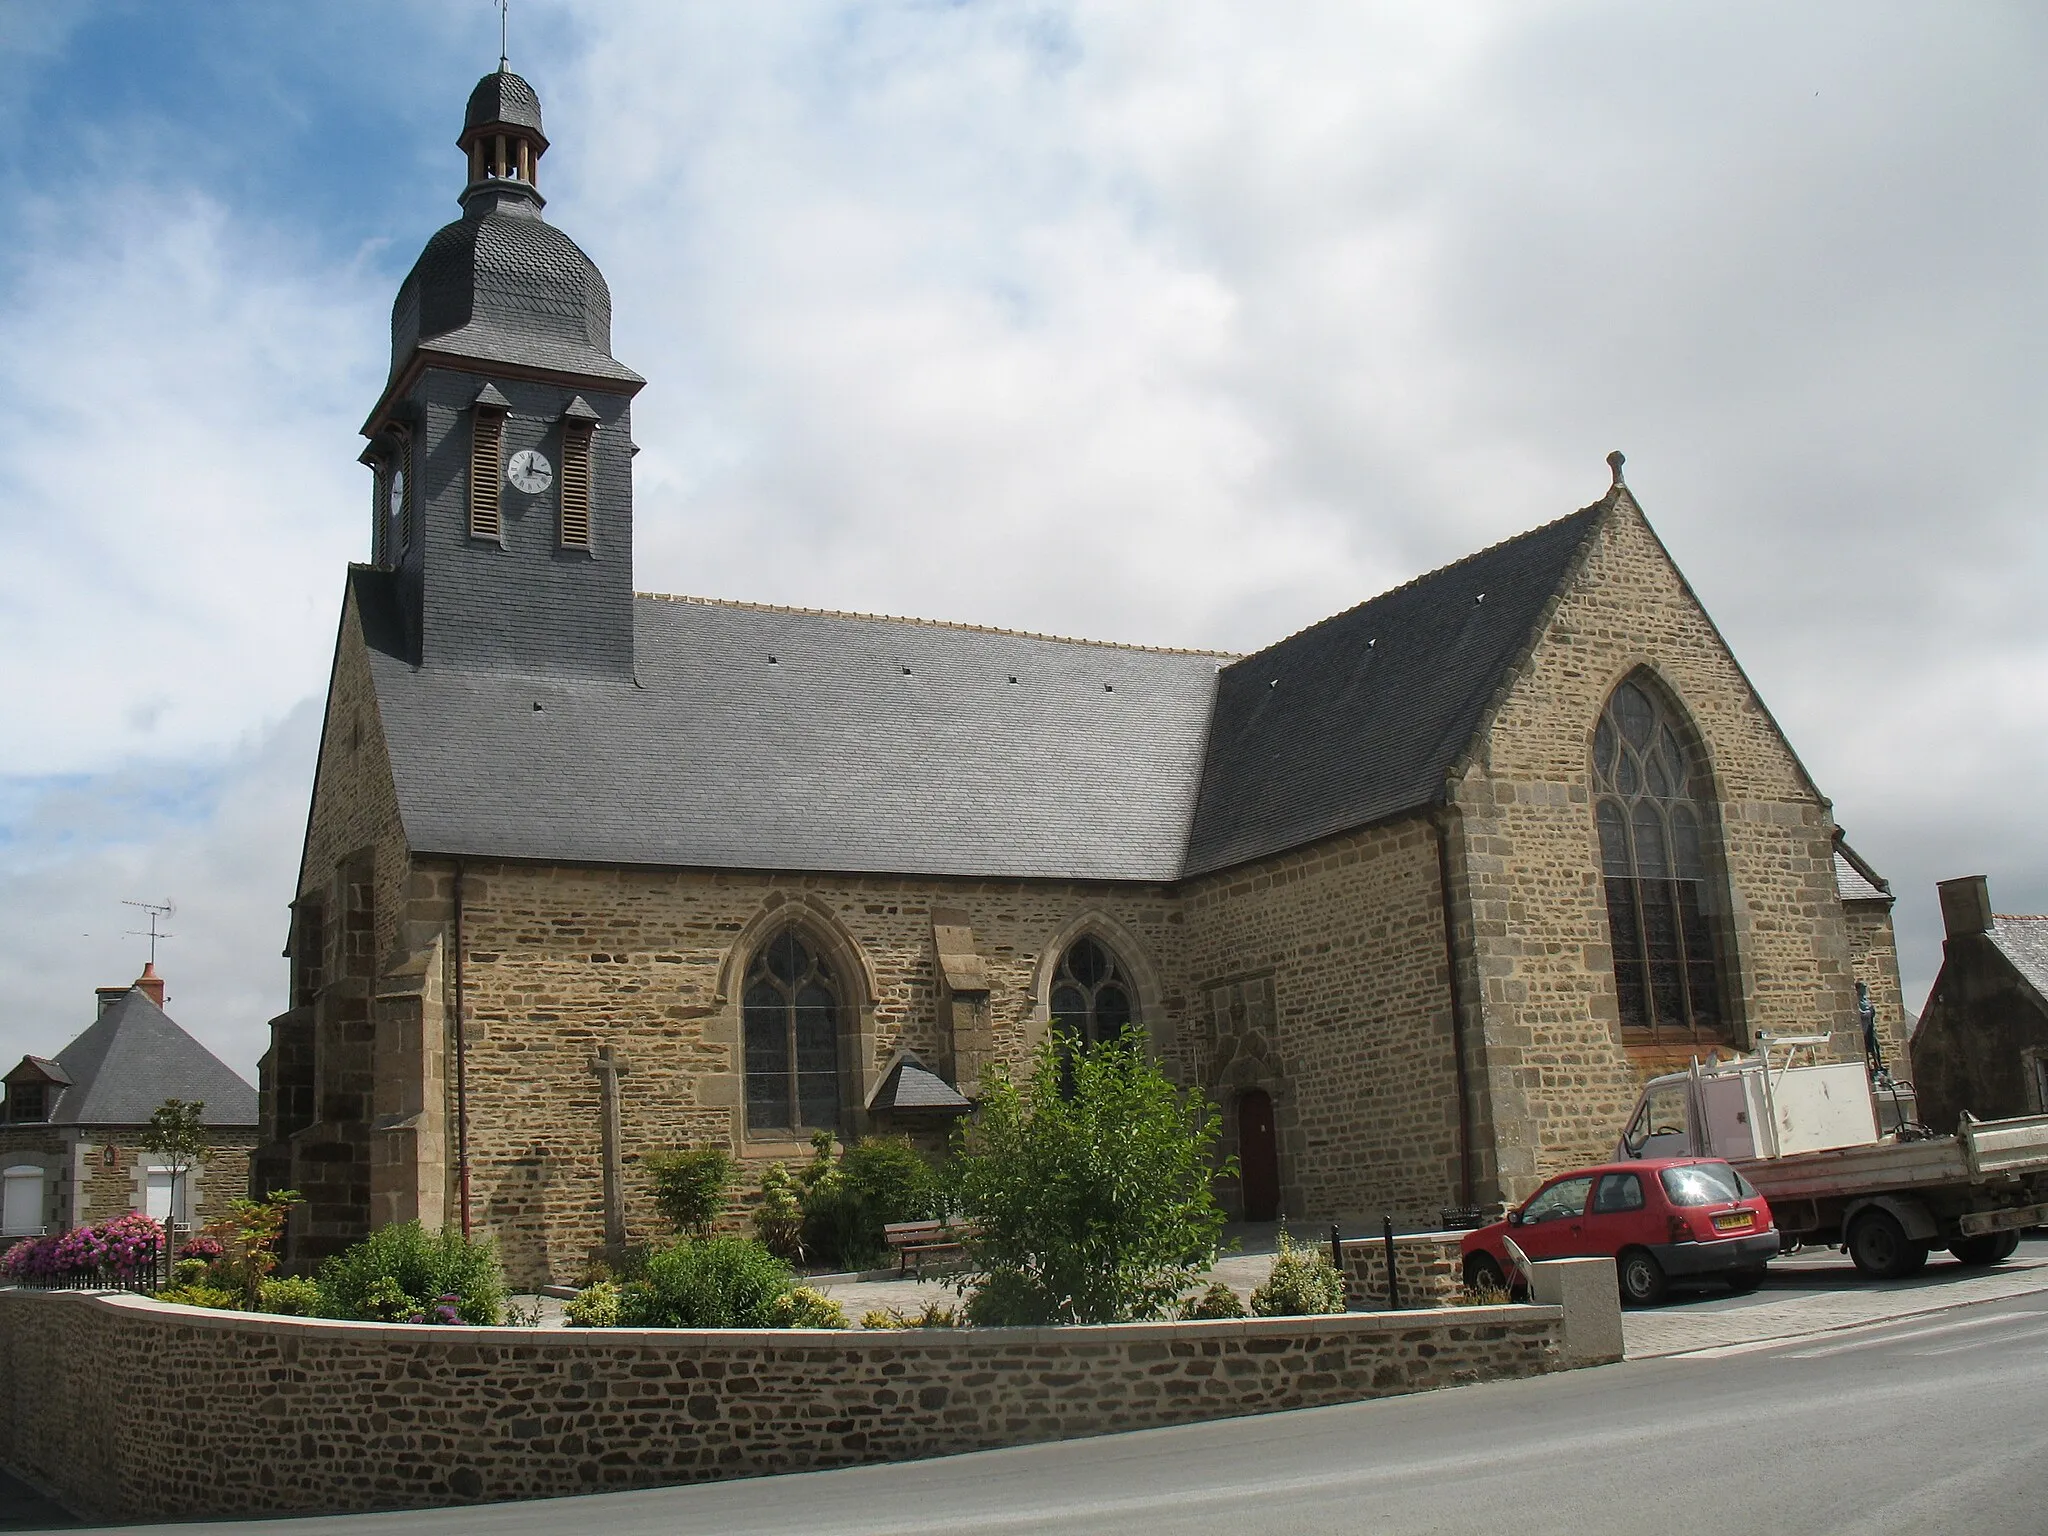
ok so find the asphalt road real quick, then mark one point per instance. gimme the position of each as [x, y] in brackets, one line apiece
[1932, 1424]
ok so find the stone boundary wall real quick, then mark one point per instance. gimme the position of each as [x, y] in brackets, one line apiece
[1429, 1265]
[129, 1409]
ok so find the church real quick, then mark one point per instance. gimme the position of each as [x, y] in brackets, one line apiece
[1418, 895]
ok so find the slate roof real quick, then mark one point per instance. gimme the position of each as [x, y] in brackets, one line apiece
[133, 1057]
[2024, 942]
[773, 738]
[1855, 880]
[908, 1084]
[1359, 718]
[502, 97]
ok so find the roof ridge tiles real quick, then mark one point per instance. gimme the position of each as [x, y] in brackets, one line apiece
[893, 618]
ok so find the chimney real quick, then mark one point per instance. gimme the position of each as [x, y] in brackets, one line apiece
[1965, 905]
[109, 996]
[151, 985]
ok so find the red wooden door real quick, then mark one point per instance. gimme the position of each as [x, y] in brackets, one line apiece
[1258, 1155]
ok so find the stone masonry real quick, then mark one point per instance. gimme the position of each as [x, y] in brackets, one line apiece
[290, 1416]
[1322, 976]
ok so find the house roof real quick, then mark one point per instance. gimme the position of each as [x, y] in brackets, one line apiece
[40, 1067]
[133, 1057]
[2024, 942]
[759, 737]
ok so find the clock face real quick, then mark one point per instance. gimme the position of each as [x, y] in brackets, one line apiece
[530, 472]
[397, 494]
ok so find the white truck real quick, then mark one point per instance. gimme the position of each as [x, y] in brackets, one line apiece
[1836, 1151]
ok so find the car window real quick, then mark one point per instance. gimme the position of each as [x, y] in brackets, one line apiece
[1662, 1114]
[1705, 1184]
[1618, 1192]
[1567, 1197]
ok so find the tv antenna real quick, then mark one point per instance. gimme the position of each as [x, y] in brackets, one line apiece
[504, 9]
[155, 909]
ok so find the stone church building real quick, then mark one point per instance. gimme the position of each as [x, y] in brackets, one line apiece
[1418, 894]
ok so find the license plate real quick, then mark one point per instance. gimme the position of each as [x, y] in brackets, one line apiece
[1734, 1221]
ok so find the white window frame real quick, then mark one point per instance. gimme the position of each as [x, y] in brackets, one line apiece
[14, 1177]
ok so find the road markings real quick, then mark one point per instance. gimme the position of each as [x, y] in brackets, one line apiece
[1857, 1336]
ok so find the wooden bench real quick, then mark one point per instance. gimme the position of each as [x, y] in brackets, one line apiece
[918, 1240]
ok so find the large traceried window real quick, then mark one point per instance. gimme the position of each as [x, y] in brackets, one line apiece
[1654, 806]
[791, 1011]
[1092, 997]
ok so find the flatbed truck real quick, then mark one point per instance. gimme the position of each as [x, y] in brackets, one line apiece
[1834, 1148]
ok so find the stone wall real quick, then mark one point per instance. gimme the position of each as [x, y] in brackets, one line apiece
[1320, 976]
[1558, 1081]
[279, 1416]
[1428, 1265]
[95, 1175]
[1874, 957]
[564, 961]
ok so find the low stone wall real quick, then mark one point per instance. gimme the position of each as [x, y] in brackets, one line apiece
[285, 1415]
[1429, 1266]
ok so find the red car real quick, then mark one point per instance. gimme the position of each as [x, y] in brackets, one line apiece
[1661, 1219]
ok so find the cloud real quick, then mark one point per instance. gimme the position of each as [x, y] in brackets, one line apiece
[219, 837]
[1184, 324]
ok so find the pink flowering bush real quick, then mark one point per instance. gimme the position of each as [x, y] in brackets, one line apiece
[125, 1248]
[204, 1247]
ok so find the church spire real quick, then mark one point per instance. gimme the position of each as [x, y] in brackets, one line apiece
[502, 137]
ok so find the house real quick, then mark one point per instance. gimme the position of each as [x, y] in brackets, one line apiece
[72, 1124]
[1419, 894]
[1982, 1042]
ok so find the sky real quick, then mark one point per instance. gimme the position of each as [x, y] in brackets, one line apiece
[1182, 322]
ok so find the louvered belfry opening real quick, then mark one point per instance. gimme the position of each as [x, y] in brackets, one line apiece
[486, 473]
[576, 439]
[408, 497]
[1654, 807]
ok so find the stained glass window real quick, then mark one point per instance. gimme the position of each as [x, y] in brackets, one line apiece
[1652, 804]
[791, 1013]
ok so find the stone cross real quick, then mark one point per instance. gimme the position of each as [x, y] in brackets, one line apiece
[610, 1067]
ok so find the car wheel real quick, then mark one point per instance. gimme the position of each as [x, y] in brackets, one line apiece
[1743, 1281]
[1642, 1279]
[1977, 1252]
[1879, 1247]
[1482, 1274]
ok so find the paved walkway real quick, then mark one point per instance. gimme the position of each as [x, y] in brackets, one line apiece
[1681, 1330]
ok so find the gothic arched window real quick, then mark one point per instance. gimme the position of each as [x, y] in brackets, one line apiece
[1653, 804]
[1092, 996]
[791, 1011]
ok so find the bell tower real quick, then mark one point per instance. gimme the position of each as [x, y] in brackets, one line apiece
[502, 444]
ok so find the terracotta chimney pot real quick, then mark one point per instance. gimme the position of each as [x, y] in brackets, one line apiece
[151, 985]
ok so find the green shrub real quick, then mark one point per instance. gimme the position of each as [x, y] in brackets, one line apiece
[713, 1282]
[190, 1272]
[597, 1306]
[1088, 1188]
[877, 1180]
[803, 1307]
[931, 1315]
[1008, 1298]
[214, 1297]
[779, 1218]
[402, 1271]
[1217, 1301]
[291, 1296]
[690, 1187]
[1303, 1283]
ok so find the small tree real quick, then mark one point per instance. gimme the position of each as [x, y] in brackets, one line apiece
[177, 1134]
[1088, 1188]
[690, 1187]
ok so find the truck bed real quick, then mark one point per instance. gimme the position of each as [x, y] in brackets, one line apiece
[1979, 1153]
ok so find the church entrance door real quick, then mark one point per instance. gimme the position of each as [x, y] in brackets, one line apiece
[1258, 1155]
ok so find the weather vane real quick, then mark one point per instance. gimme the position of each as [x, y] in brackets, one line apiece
[155, 909]
[504, 12]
